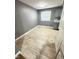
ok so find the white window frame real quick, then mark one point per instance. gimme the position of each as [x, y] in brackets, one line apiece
[46, 15]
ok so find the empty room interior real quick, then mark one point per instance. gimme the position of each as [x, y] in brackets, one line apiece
[39, 29]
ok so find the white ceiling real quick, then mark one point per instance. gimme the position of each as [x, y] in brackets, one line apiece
[42, 4]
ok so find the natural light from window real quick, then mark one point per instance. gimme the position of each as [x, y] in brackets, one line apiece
[45, 15]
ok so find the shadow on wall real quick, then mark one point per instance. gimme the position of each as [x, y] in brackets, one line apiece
[25, 18]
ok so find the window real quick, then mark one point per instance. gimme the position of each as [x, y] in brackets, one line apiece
[45, 15]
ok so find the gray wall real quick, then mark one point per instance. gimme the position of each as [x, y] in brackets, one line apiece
[25, 18]
[54, 13]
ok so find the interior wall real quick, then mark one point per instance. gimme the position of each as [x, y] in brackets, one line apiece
[25, 18]
[55, 12]
[59, 41]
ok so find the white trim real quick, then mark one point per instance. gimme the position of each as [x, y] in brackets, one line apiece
[17, 54]
[27, 32]
[22, 36]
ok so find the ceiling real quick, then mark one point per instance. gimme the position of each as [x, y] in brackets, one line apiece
[42, 4]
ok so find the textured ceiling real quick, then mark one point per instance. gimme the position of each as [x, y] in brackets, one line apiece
[42, 4]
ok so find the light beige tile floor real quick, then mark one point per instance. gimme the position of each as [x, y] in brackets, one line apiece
[39, 44]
